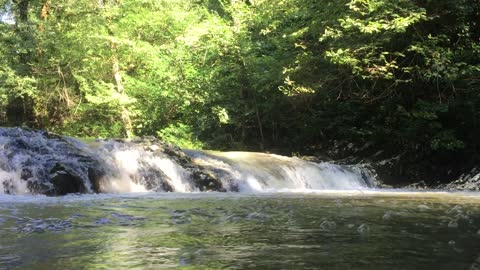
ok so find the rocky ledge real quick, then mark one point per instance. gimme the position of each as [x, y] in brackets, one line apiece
[404, 170]
[467, 182]
[40, 162]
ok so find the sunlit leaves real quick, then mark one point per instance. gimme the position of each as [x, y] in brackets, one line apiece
[383, 21]
[219, 70]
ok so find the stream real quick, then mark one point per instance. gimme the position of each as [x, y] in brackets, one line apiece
[322, 230]
[144, 204]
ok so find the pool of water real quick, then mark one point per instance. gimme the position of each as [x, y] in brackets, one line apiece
[327, 230]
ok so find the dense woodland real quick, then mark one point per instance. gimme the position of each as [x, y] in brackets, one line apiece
[401, 76]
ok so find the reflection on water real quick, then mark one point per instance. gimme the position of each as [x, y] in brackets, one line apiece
[241, 231]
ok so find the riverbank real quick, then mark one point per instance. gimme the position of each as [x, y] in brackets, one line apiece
[404, 169]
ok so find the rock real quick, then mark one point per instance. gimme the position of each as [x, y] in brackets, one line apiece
[26, 174]
[315, 159]
[205, 181]
[65, 181]
[369, 175]
[468, 181]
[148, 172]
[46, 163]
[51, 164]
[417, 185]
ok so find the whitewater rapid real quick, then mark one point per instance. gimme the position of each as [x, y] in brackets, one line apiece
[37, 162]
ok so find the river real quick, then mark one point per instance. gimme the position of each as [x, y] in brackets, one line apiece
[143, 204]
[315, 230]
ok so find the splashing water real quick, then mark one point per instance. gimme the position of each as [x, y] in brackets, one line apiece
[28, 158]
[35, 162]
[132, 169]
[254, 172]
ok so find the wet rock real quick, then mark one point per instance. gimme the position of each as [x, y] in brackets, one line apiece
[95, 174]
[26, 174]
[369, 175]
[407, 169]
[65, 181]
[418, 185]
[315, 159]
[367, 171]
[205, 181]
[468, 181]
[9, 186]
[46, 163]
[154, 178]
[40, 162]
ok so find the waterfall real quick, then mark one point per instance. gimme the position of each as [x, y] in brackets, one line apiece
[38, 162]
[132, 167]
[259, 172]
[41, 162]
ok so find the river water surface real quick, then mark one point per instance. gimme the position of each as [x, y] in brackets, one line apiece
[323, 230]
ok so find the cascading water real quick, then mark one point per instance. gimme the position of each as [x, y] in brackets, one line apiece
[37, 162]
[40, 162]
[131, 167]
[257, 172]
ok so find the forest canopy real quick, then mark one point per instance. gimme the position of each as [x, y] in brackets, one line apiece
[293, 75]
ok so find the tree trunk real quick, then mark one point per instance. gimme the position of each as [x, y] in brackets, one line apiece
[259, 121]
[247, 91]
[125, 114]
[22, 10]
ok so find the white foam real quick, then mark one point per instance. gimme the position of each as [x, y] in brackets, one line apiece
[258, 172]
[13, 179]
[133, 168]
[127, 166]
[178, 175]
[122, 166]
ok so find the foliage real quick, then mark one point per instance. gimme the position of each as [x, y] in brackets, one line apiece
[287, 75]
[181, 135]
